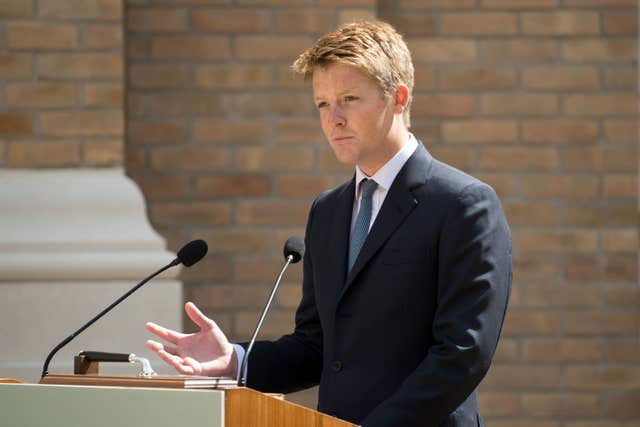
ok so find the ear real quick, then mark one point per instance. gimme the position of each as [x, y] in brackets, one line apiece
[401, 98]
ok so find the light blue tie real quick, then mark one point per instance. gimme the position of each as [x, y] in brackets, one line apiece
[361, 228]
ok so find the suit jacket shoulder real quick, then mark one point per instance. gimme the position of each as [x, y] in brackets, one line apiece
[447, 180]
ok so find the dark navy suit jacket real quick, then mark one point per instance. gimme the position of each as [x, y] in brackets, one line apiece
[405, 338]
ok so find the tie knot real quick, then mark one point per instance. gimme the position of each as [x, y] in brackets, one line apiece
[368, 187]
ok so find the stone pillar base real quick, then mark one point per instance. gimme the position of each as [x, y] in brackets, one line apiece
[71, 242]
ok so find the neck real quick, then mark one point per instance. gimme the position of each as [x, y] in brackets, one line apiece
[396, 138]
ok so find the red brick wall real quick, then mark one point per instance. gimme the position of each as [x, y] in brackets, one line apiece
[537, 97]
[225, 142]
[61, 74]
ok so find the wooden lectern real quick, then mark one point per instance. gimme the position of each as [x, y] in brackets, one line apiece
[86, 400]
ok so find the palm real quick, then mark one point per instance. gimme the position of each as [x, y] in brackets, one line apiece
[204, 347]
[206, 352]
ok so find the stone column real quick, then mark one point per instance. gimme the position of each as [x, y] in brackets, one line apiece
[74, 234]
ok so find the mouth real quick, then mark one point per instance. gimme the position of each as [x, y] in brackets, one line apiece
[341, 139]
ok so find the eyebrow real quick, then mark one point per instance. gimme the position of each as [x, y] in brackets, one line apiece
[349, 89]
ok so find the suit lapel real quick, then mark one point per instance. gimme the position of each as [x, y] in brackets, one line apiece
[338, 238]
[398, 203]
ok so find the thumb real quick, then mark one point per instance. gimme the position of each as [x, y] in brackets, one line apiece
[198, 317]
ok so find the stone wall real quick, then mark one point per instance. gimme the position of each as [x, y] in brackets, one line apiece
[74, 233]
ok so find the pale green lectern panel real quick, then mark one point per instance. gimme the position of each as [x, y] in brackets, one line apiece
[34, 405]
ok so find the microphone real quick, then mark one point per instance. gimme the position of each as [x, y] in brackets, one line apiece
[294, 248]
[191, 253]
[293, 252]
[188, 255]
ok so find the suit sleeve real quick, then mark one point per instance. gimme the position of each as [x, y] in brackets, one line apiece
[474, 281]
[294, 361]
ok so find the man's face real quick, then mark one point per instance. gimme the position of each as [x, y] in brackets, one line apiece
[356, 119]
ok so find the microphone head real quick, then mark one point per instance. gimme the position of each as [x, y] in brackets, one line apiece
[192, 252]
[294, 246]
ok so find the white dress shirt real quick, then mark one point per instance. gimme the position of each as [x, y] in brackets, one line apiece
[384, 177]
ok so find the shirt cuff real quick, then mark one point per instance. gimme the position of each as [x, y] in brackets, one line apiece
[240, 352]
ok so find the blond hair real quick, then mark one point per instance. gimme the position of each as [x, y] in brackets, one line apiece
[374, 47]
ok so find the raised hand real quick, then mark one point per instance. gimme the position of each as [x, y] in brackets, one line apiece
[206, 352]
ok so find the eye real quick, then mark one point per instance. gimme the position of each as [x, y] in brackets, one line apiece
[321, 104]
[350, 98]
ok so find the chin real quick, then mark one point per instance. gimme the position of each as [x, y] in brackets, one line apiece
[345, 158]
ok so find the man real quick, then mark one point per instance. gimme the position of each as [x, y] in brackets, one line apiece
[407, 270]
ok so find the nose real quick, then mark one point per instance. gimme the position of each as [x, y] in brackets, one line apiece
[336, 117]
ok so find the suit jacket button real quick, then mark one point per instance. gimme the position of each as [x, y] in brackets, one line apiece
[336, 366]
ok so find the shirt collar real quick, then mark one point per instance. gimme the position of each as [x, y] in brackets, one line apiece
[388, 172]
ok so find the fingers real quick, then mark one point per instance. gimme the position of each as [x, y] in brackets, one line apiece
[156, 346]
[193, 364]
[164, 333]
[153, 345]
[177, 362]
[197, 317]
